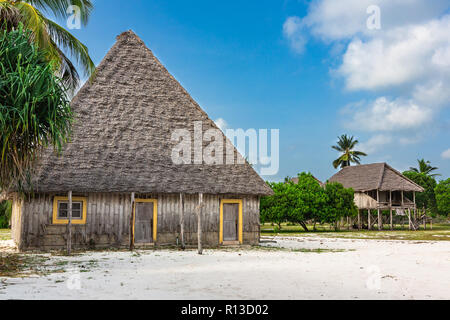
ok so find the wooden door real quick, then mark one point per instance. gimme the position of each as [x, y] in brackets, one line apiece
[230, 221]
[143, 223]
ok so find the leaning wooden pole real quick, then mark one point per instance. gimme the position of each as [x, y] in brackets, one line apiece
[132, 222]
[69, 225]
[390, 210]
[199, 225]
[183, 245]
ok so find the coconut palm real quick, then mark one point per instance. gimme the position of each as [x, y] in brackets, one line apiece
[345, 145]
[49, 36]
[425, 167]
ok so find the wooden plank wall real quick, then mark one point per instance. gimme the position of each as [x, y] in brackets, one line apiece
[108, 218]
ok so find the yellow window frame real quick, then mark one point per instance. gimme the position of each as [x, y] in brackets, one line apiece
[57, 220]
[155, 215]
[240, 222]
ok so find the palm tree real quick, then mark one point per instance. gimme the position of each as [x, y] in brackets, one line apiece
[49, 36]
[345, 145]
[425, 167]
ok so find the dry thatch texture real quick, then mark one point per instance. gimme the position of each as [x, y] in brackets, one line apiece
[122, 135]
[376, 176]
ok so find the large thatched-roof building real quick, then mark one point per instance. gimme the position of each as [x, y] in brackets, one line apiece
[379, 187]
[119, 167]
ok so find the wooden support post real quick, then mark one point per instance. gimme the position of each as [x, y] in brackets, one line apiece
[390, 209]
[69, 225]
[183, 245]
[369, 225]
[409, 219]
[132, 222]
[359, 219]
[380, 223]
[199, 223]
[390, 217]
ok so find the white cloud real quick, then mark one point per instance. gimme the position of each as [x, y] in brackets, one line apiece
[387, 115]
[375, 143]
[222, 124]
[401, 56]
[343, 19]
[446, 154]
[293, 31]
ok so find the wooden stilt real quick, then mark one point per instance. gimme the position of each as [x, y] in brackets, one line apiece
[369, 224]
[199, 223]
[69, 225]
[359, 219]
[390, 219]
[409, 219]
[380, 223]
[132, 222]
[183, 244]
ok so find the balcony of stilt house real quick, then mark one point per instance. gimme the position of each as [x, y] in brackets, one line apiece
[383, 196]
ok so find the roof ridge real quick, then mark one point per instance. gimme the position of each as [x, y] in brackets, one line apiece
[383, 169]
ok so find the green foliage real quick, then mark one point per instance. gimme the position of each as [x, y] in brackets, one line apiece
[306, 201]
[442, 192]
[5, 214]
[345, 145]
[427, 198]
[425, 167]
[34, 108]
[340, 203]
[48, 35]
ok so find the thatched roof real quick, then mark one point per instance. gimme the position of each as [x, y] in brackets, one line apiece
[376, 176]
[121, 140]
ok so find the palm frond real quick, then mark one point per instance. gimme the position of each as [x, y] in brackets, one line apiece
[59, 8]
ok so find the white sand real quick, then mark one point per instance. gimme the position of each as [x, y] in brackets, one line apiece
[375, 269]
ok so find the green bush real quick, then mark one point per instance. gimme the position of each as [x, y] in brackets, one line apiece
[5, 214]
[307, 201]
[442, 193]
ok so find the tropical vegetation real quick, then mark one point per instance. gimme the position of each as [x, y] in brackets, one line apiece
[50, 36]
[425, 168]
[306, 201]
[346, 145]
[34, 107]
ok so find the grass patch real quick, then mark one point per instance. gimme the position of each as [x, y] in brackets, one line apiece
[19, 265]
[304, 250]
[5, 234]
[440, 232]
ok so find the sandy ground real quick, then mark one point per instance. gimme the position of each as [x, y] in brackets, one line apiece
[366, 269]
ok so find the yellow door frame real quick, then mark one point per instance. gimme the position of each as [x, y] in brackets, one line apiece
[155, 216]
[240, 224]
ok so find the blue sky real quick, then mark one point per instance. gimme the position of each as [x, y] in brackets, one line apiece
[309, 68]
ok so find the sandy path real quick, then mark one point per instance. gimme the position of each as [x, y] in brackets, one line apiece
[370, 269]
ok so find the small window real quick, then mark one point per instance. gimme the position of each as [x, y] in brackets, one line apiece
[61, 210]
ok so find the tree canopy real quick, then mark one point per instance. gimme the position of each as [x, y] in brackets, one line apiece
[442, 192]
[345, 146]
[34, 107]
[307, 201]
[425, 168]
[50, 36]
